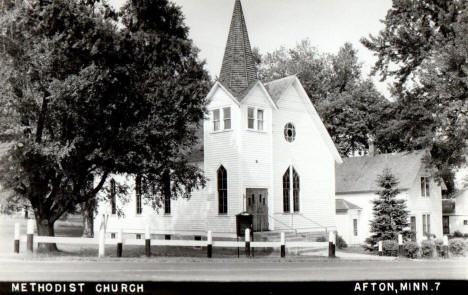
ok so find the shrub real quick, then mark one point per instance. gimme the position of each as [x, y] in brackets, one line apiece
[321, 239]
[411, 249]
[340, 243]
[439, 243]
[465, 235]
[457, 247]
[409, 236]
[427, 248]
[457, 234]
[390, 248]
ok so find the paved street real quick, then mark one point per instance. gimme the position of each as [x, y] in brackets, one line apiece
[167, 269]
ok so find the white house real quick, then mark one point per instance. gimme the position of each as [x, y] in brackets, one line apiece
[455, 213]
[356, 187]
[265, 151]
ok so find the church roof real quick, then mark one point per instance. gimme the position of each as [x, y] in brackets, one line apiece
[238, 70]
[277, 87]
[359, 174]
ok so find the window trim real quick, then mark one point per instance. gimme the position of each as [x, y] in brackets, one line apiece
[262, 111]
[355, 227]
[216, 121]
[296, 190]
[287, 191]
[222, 188]
[425, 186]
[250, 119]
[426, 223]
[227, 119]
[254, 119]
[289, 126]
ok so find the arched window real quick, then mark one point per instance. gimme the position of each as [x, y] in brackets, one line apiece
[286, 190]
[295, 190]
[291, 177]
[222, 190]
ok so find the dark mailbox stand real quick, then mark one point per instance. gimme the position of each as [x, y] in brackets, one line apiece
[244, 220]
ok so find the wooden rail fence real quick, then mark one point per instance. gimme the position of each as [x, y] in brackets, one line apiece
[209, 243]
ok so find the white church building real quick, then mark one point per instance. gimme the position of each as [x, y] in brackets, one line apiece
[264, 151]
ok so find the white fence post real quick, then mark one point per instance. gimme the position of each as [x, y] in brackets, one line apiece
[148, 241]
[380, 248]
[102, 237]
[283, 244]
[30, 235]
[17, 237]
[209, 244]
[247, 242]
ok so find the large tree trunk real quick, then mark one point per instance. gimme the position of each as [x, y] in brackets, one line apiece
[87, 213]
[46, 228]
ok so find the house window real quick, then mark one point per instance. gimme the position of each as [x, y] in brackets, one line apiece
[227, 118]
[251, 118]
[426, 224]
[260, 120]
[355, 228]
[289, 132]
[286, 191]
[113, 197]
[413, 224]
[222, 190]
[425, 188]
[465, 222]
[216, 121]
[295, 190]
[139, 208]
[167, 205]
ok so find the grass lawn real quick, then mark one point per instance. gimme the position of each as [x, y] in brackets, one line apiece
[72, 227]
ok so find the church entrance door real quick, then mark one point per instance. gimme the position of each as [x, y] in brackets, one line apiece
[257, 205]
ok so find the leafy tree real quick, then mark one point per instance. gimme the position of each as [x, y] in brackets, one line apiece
[390, 213]
[425, 50]
[92, 98]
[349, 105]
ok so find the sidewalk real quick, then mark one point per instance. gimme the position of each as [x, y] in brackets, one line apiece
[351, 256]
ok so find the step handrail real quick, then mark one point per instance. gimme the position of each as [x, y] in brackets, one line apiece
[279, 221]
[315, 222]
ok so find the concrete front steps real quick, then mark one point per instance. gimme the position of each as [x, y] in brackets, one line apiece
[290, 235]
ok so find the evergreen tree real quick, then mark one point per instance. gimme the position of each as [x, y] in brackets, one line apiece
[390, 214]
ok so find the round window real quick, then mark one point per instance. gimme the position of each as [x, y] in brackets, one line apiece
[289, 132]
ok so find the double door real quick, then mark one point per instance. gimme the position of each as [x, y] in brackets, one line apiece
[257, 205]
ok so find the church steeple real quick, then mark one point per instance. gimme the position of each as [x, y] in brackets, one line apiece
[238, 70]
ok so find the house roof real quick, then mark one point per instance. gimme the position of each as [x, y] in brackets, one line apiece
[341, 205]
[460, 192]
[238, 70]
[359, 174]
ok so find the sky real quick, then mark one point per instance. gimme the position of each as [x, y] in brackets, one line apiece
[275, 23]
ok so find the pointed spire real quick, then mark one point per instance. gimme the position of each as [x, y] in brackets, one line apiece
[238, 70]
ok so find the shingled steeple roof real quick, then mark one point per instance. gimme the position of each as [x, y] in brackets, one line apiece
[238, 70]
